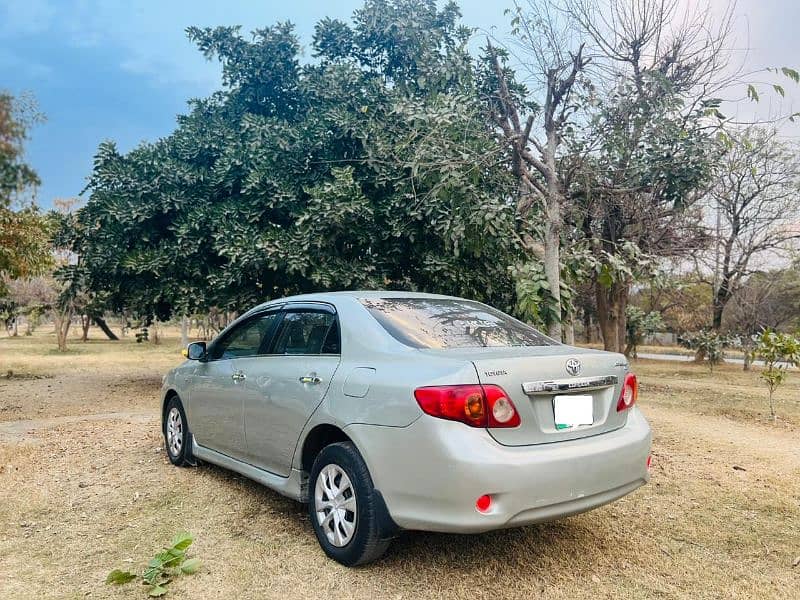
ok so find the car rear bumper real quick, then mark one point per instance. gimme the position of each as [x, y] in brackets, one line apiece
[431, 473]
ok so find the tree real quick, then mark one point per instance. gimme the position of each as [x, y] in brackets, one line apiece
[29, 297]
[24, 249]
[754, 200]
[369, 167]
[650, 140]
[24, 243]
[764, 300]
[778, 351]
[682, 299]
[554, 65]
[17, 116]
[640, 324]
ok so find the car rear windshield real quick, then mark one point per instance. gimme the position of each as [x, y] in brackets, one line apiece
[450, 323]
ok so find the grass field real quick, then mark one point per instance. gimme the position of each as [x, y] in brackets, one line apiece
[85, 487]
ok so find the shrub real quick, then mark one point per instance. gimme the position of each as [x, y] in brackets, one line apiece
[708, 345]
[778, 351]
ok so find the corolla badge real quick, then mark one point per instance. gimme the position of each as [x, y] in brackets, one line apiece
[573, 366]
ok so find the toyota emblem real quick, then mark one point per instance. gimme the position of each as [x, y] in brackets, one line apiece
[573, 366]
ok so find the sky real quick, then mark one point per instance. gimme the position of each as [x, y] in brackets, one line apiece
[122, 70]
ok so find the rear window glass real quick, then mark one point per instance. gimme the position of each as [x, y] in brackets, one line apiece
[450, 323]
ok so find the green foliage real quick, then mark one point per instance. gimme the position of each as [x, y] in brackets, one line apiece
[709, 346]
[640, 324]
[778, 351]
[372, 167]
[24, 243]
[535, 303]
[167, 564]
[17, 116]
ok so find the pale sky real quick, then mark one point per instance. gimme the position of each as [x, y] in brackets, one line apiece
[122, 70]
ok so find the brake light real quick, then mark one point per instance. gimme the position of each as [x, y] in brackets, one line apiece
[474, 404]
[630, 391]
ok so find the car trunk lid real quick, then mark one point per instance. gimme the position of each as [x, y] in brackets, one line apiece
[533, 378]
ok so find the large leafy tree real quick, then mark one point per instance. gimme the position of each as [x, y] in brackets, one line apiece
[24, 231]
[17, 115]
[371, 166]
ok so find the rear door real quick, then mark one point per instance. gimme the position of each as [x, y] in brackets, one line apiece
[284, 387]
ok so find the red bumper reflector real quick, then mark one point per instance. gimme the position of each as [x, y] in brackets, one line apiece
[484, 503]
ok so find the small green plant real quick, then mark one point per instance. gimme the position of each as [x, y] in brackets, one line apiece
[162, 568]
[708, 345]
[639, 325]
[778, 351]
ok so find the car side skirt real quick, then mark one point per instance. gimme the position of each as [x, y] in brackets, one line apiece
[290, 486]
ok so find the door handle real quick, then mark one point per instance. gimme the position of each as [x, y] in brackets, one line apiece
[238, 376]
[313, 379]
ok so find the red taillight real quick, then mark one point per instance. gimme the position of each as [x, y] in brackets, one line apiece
[475, 405]
[630, 390]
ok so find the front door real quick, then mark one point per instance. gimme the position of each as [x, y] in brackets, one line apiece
[216, 416]
[284, 388]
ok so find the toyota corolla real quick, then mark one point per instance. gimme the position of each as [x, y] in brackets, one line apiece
[390, 410]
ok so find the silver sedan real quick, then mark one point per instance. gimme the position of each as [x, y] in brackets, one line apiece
[386, 411]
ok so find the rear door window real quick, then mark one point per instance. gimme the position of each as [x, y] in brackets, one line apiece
[451, 323]
[307, 332]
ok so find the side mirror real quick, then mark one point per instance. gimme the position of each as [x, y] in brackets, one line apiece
[196, 351]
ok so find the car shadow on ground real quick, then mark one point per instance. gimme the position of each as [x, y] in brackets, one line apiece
[548, 542]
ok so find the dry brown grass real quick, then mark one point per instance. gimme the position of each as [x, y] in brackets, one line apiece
[80, 497]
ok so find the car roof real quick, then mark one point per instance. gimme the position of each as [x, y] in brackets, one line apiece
[333, 297]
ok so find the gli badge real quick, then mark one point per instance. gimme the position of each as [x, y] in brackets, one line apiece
[573, 366]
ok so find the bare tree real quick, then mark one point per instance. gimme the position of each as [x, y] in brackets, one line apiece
[764, 300]
[655, 69]
[545, 48]
[755, 206]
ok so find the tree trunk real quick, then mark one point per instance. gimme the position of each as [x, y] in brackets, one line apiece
[154, 338]
[569, 331]
[86, 322]
[63, 320]
[611, 304]
[101, 323]
[587, 327]
[771, 406]
[15, 327]
[720, 300]
[552, 237]
[184, 331]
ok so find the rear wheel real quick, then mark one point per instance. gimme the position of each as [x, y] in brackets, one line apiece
[176, 434]
[342, 506]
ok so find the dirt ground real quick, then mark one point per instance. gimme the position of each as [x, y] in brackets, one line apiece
[85, 487]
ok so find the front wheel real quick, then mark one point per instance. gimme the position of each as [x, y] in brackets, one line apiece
[342, 506]
[176, 434]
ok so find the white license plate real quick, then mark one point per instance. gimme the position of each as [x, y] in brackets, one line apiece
[573, 411]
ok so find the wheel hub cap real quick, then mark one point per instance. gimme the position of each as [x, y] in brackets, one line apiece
[335, 505]
[174, 432]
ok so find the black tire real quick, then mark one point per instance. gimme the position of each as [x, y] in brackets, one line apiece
[181, 457]
[367, 542]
